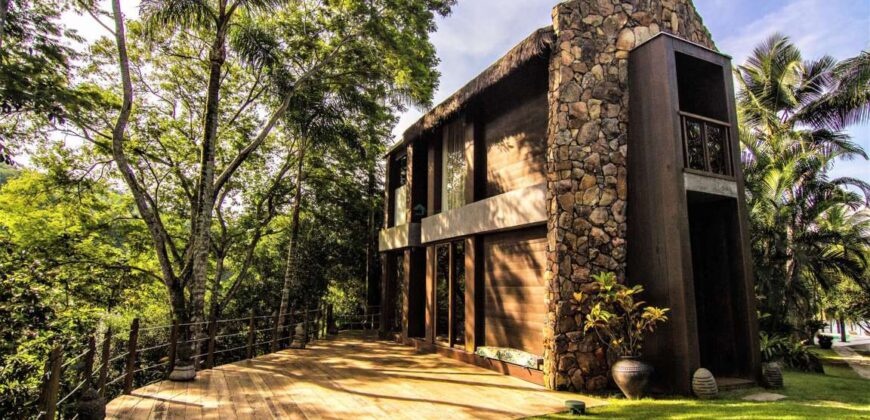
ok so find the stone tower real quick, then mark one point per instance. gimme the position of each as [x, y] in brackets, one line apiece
[586, 163]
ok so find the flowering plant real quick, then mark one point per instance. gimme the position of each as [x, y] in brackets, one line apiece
[617, 317]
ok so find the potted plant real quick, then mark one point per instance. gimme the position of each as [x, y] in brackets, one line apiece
[620, 320]
[772, 349]
[825, 341]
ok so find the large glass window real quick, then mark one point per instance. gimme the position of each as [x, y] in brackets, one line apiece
[400, 193]
[442, 292]
[454, 167]
[450, 293]
[400, 292]
[459, 293]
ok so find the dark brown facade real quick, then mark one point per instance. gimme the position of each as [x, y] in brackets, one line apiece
[688, 242]
[505, 199]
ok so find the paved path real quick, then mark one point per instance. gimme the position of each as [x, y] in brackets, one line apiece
[857, 362]
[346, 377]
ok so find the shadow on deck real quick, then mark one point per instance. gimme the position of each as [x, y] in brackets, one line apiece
[349, 376]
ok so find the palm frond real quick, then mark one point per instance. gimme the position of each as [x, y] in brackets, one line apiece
[176, 14]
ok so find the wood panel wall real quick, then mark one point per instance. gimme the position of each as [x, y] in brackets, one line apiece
[514, 289]
[516, 143]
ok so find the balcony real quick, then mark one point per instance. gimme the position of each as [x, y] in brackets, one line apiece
[706, 145]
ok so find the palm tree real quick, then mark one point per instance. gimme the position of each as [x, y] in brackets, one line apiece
[792, 115]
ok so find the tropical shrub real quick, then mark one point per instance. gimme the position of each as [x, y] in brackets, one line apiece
[788, 351]
[825, 341]
[617, 317]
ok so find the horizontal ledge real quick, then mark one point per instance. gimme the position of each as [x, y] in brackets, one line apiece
[398, 237]
[710, 185]
[515, 209]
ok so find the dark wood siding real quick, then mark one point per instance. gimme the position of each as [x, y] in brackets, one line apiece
[514, 289]
[516, 141]
[513, 130]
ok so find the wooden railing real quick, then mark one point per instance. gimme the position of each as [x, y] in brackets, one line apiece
[706, 144]
[114, 363]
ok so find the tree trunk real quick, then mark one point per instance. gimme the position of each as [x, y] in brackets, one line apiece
[4, 10]
[291, 269]
[158, 235]
[372, 292]
[215, 307]
[202, 215]
[842, 324]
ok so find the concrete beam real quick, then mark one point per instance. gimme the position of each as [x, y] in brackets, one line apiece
[710, 185]
[514, 209]
[398, 237]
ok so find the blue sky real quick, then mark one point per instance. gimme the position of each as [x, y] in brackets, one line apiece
[480, 31]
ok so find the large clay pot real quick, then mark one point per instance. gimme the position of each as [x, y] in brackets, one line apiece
[771, 373]
[631, 376]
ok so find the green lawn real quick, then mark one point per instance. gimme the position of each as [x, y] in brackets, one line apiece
[836, 365]
[809, 396]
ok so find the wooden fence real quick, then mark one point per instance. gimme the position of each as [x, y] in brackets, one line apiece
[115, 363]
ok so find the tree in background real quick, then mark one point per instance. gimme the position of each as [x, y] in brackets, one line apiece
[364, 43]
[137, 187]
[792, 113]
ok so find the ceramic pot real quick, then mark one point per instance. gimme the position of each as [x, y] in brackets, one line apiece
[182, 373]
[631, 376]
[771, 373]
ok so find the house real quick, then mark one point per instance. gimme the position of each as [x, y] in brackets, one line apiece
[606, 142]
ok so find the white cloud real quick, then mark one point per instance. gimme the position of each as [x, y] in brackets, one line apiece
[817, 27]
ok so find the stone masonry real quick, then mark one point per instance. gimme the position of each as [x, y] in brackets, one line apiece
[586, 163]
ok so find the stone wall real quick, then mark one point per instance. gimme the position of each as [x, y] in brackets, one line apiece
[586, 163]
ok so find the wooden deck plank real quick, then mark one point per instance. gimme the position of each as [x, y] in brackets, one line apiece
[348, 376]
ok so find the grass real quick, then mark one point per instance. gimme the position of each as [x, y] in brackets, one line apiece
[831, 356]
[809, 396]
[835, 364]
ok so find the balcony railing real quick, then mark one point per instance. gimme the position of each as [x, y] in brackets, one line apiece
[706, 144]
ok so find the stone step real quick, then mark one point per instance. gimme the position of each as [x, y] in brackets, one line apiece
[730, 384]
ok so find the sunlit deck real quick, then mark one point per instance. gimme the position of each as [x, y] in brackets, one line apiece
[351, 376]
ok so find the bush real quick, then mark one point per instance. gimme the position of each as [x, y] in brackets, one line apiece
[792, 353]
[825, 341]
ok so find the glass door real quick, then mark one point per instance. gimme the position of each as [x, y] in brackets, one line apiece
[450, 293]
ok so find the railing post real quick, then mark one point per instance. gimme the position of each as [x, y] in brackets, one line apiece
[250, 353]
[51, 386]
[88, 369]
[317, 323]
[130, 368]
[212, 331]
[323, 320]
[274, 346]
[329, 320]
[90, 405]
[173, 347]
[104, 362]
[305, 328]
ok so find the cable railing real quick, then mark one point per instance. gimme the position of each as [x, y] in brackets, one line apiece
[110, 364]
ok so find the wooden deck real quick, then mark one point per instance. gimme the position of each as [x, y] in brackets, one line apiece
[351, 376]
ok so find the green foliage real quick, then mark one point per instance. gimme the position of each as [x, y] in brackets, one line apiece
[6, 172]
[791, 352]
[72, 257]
[806, 233]
[616, 316]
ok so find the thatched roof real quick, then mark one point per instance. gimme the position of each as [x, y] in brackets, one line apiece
[535, 45]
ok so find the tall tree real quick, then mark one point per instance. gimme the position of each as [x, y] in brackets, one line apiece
[788, 151]
[262, 62]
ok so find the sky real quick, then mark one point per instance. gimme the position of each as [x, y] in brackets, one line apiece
[478, 32]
